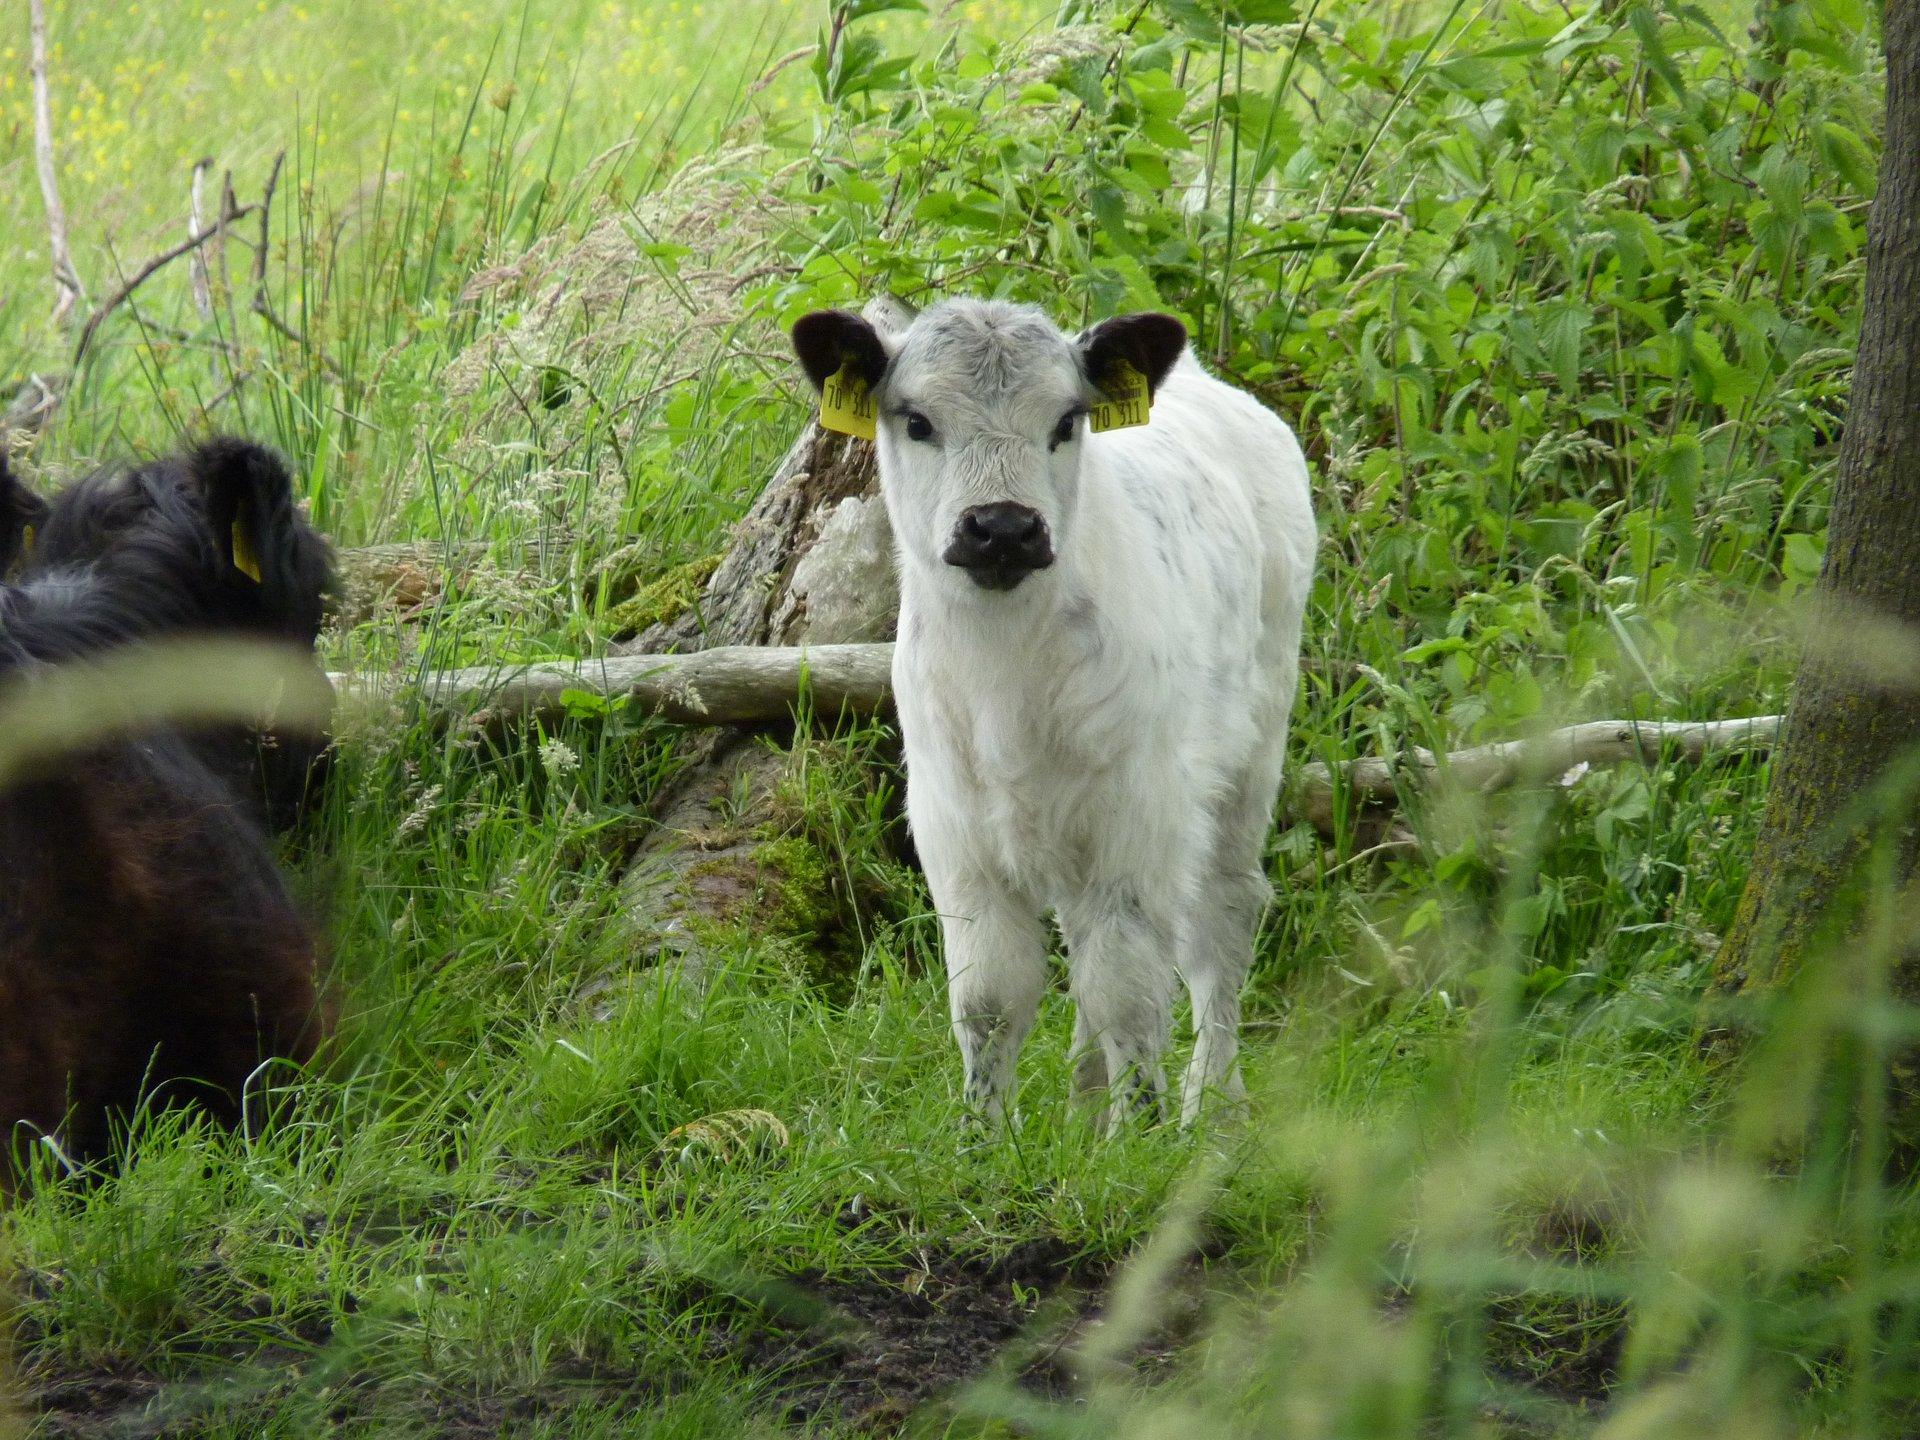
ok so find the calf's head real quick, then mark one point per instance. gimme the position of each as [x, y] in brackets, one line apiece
[981, 421]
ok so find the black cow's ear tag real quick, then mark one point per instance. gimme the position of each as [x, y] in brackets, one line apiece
[26, 539]
[245, 560]
[1128, 401]
[846, 404]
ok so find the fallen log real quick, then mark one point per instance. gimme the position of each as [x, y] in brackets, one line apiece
[1376, 779]
[728, 685]
[746, 685]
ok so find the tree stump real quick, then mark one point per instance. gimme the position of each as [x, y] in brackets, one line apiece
[810, 563]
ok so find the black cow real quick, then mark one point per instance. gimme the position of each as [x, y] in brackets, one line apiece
[149, 946]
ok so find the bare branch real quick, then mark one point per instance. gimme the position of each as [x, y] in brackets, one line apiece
[266, 232]
[729, 685]
[262, 305]
[1376, 780]
[202, 290]
[66, 280]
[143, 274]
[33, 403]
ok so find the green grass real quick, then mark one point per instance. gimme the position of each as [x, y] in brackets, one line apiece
[1573, 436]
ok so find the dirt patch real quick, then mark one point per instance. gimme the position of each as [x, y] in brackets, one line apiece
[875, 1349]
[102, 1404]
[867, 1350]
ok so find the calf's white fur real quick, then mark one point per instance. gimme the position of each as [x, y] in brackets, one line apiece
[1097, 733]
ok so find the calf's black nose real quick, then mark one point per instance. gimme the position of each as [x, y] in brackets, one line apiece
[999, 545]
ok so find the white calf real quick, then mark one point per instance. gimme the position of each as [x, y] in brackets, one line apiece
[1099, 646]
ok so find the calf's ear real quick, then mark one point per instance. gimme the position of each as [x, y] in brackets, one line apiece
[21, 512]
[1150, 342]
[826, 340]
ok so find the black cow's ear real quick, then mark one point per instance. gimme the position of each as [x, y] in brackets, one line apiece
[21, 513]
[827, 340]
[248, 494]
[1149, 341]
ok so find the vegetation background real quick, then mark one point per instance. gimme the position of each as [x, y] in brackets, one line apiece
[1562, 300]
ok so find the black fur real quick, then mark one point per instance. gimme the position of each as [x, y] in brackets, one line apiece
[1148, 341]
[163, 535]
[827, 339]
[21, 514]
[148, 943]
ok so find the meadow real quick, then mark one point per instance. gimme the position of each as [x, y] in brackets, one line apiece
[1562, 301]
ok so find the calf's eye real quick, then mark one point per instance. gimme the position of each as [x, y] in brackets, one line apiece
[1063, 432]
[918, 426]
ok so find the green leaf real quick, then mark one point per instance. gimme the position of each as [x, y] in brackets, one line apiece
[1427, 650]
[1562, 330]
[556, 387]
[1847, 153]
[1646, 26]
[861, 9]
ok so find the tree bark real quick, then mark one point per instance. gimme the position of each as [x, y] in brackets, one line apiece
[811, 564]
[1853, 720]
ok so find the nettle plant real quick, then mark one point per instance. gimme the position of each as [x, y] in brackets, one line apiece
[1562, 306]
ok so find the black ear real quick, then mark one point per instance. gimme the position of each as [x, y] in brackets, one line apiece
[21, 512]
[1148, 341]
[246, 492]
[829, 339]
[248, 497]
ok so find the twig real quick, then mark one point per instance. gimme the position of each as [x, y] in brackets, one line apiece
[262, 306]
[66, 280]
[202, 290]
[266, 235]
[146, 272]
[32, 404]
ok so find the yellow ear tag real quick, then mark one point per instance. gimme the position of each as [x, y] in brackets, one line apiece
[26, 540]
[1128, 399]
[244, 560]
[846, 404]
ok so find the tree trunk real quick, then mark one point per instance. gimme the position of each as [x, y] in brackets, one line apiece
[811, 563]
[1854, 717]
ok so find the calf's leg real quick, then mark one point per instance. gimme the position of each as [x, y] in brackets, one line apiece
[1089, 1061]
[1120, 970]
[1216, 943]
[1216, 953]
[996, 953]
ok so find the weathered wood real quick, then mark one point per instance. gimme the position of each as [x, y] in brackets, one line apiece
[66, 280]
[811, 561]
[740, 685]
[1376, 780]
[751, 685]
